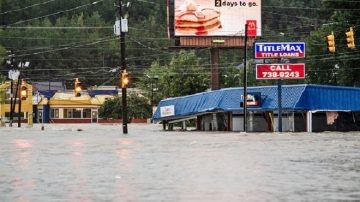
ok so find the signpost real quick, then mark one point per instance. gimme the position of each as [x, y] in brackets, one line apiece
[278, 50]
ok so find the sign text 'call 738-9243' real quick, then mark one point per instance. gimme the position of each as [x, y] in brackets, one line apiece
[280, 71]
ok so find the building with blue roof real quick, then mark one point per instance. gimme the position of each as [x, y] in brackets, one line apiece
[305, 107]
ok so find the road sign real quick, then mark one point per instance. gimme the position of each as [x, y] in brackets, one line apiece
[279, 50]
[280, 71]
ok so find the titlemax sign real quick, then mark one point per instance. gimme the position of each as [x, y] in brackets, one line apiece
[280, 50]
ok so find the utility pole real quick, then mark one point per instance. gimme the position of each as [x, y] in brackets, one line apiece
[13, 76]
[123, 69]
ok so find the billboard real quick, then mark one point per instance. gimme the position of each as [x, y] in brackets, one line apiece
[280, 71]
[216, 17]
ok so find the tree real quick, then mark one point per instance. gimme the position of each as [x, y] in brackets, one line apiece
[184, 75]
[338, 68]
[138, 107]
[2, 60]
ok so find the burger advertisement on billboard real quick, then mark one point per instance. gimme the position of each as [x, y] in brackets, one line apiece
[216, 17]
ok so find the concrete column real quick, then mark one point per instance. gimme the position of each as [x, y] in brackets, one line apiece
[214, 122]
[184, 125]
[251, 121]
[309, 121]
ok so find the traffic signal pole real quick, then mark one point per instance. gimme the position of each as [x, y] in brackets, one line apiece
[16, 95]
[19, 109]
[11, 101]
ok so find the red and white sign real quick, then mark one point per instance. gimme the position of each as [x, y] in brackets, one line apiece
[167, 111]
[251, 27]
[280, 71]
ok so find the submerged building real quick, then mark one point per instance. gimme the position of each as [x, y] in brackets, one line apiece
[304, 108]
[52, 104]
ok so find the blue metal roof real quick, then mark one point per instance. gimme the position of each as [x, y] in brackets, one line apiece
[93, 93]
[294, 97]
[47, 93]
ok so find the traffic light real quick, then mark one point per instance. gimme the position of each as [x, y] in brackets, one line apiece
[350, 38]
[23, 90]
[331, 42]
[77, 87]
[124, 79]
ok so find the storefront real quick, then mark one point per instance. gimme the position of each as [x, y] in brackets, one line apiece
[306, 107]
[65, 107]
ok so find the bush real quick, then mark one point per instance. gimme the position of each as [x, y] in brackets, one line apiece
[137, 105]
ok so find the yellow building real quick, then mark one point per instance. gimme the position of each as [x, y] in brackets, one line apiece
[65, 107]
[52, 106]
[26, 103]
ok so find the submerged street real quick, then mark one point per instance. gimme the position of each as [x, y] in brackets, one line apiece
[98, 163]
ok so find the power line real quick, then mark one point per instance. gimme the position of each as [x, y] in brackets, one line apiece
[33, 5]
[309, 8]
[56, 13]
[55, 27]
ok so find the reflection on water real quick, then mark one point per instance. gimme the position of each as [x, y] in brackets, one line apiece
[98, 164]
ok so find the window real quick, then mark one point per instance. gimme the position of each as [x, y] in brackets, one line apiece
[54, 113]
[73, 113]
[76, 113]
[86, 113]
[68, 113]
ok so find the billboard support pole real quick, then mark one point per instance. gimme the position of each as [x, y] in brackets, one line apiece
[215, 68]
[245, 80]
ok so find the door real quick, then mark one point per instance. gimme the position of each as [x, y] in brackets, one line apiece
[94, 116]
[40, 116]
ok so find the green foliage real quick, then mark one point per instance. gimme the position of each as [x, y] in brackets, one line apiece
[2, 53]
[184, 75]
[291, 20]
[2, 78]
[138, 107]
[230, 77]
[111, 108]
[341, 67]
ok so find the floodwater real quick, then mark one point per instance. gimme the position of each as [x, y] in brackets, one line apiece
[99, 163]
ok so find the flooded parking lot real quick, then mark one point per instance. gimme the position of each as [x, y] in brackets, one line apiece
[99, 163]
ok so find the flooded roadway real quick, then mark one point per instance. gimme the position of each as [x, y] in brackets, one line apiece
[99, 163]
